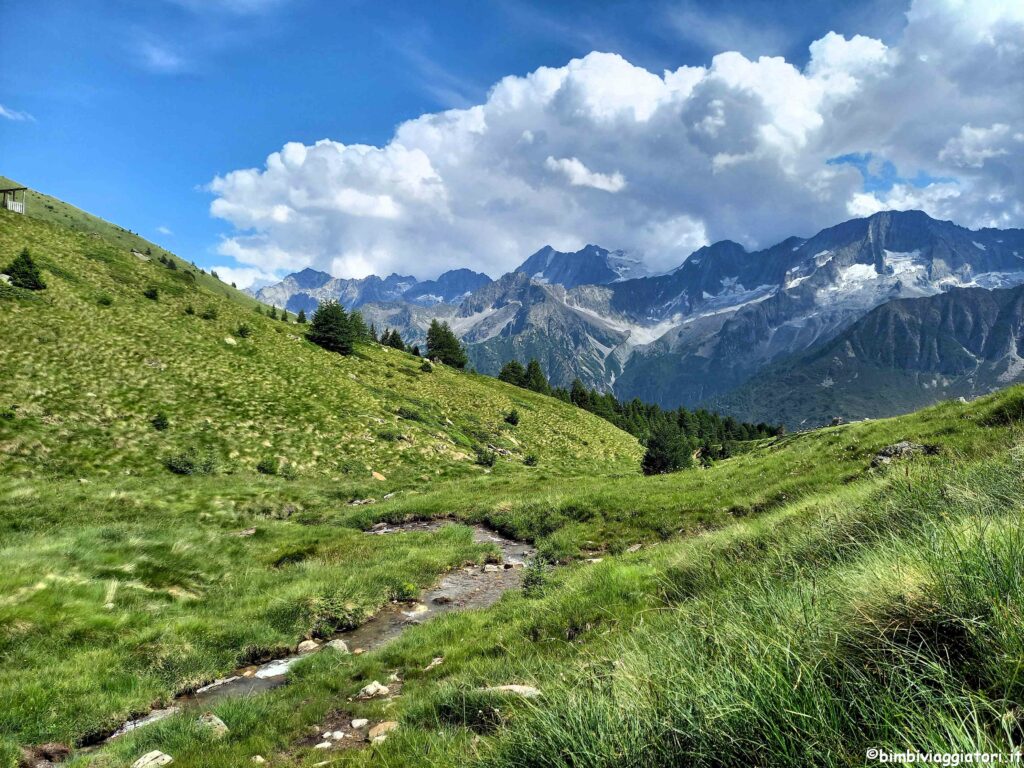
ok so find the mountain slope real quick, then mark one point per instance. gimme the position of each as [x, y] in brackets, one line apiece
[786, 299]
[591, 265]
[89, 362]
[902, 355]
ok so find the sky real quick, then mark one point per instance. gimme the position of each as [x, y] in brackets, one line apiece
[259, 137]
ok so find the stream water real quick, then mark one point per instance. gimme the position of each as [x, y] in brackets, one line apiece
[463, 588]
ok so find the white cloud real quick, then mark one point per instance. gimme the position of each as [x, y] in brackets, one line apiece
[580, 176]
[164, 230]
[738, 149]
[15, 115]
[158, 57]
[245, 277]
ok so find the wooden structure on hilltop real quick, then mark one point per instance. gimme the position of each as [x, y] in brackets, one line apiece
[9, 199]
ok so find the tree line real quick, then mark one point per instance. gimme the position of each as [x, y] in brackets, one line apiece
[339, 330]
[675, 438]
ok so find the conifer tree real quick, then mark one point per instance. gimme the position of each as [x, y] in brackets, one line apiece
[514, 373]
[331, 328]
[301, 317]
[535, 378]
[394, 340]
[667, 451]
[24, 273]
[444, 345]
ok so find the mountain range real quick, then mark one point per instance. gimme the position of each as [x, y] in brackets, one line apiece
[719, 322]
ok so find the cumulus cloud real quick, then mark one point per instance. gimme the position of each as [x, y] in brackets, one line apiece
[601, 150]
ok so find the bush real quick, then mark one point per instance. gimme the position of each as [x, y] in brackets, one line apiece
[409, 413]
[485, 457]
[104, 300]
[288, 471]
[530, 460]
[152, 293]
[535, 578]
[427, 367]
[191, 461]
[24, 273]
[210, 313]
[512, 417]
[190, 310]
[244, 331]
[267, 466]
[160, 422]
[390, 435]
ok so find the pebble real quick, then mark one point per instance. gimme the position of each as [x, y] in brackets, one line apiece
[307, 646]
[360, 722]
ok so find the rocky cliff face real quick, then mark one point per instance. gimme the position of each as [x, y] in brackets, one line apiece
[900, 356]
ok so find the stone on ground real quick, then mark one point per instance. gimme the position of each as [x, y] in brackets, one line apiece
[153, 759]
[380, 731]
[373, 690]
[217, 726]
[526, 691]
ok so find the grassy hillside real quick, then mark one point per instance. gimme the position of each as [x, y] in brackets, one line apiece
[89, 362]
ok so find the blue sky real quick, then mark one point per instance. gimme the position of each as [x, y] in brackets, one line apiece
[129, 109]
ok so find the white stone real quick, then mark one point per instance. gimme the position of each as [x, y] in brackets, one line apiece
[323, 745]
[339, 645]
[153, 759]
[307, 646]
[374, 689]
[526, 691]
[360, 722]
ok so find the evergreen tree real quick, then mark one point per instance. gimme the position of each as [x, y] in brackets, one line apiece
[415, 350]
[667, 451]
[331, 328]
[357, 326]
[535, 378]
[394, 340]
[444, 345]
[579, 395]
[24, 273]
[514, 373]
[373, 332]
[272, 314]
[301, 317]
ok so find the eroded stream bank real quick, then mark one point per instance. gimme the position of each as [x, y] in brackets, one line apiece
[464, 588]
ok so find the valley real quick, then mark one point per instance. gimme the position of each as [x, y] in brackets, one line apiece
[797, 600]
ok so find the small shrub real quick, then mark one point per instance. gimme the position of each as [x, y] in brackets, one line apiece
[267, 466]
[160, 422]
[288, 471]
[409, 413]
[535, 578]
[390, 435]
[530, 460]
[190, 310]
[244, 331]
[485, 457]
[104, 300]
[210, 313]
[512, 417]
[7, 414]
[152, 293]
[191, 461]
[426, 367]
